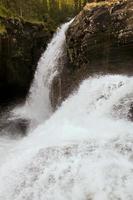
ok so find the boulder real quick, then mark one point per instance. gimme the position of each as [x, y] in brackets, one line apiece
[101, 37]
[99, 41]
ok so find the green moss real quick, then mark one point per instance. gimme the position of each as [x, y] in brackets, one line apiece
[9, 13]
[36, 22]
[2, 29]
[19, 53]
[4, 12]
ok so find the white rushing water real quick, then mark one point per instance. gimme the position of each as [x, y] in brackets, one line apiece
[37, 107]
[83, 151]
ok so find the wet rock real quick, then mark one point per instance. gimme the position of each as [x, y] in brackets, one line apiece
[12, 126]
[101, 37]
[99, 41]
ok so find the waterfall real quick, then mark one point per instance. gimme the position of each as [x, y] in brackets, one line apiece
[82, 151]
[38, 107]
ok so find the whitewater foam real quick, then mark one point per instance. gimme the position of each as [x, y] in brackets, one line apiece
[83, 151]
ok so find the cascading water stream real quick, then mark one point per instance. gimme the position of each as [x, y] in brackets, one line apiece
[38, 106]
[84, 151]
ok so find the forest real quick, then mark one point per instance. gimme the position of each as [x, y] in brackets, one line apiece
[42, 10]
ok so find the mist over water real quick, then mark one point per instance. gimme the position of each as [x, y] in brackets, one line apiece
[83, 151]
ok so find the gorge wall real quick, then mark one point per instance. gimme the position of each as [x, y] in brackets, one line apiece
[99, 41]
[21, 45]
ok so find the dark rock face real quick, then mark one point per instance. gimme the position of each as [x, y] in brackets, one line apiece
[21, 45]
[100, 40]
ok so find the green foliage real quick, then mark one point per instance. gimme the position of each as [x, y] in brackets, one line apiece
[41, 10]
[4, 12]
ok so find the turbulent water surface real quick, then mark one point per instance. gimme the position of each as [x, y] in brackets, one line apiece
[83, 151]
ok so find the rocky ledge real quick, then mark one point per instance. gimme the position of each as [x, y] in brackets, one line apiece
[100, 40]
[21, 45]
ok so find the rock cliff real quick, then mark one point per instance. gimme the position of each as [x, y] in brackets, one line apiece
[100, 40]
[21, 45]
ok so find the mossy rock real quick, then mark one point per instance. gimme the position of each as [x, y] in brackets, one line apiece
[21, 45]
